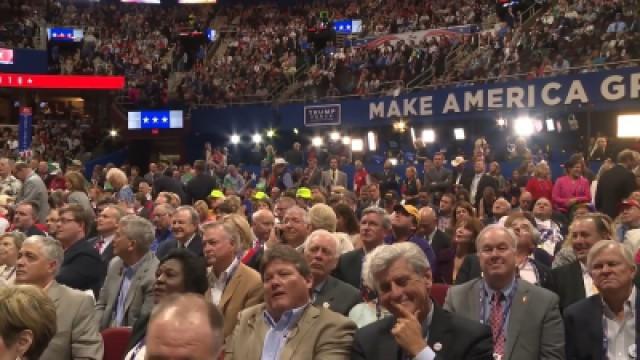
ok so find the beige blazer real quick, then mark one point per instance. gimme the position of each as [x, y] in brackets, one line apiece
[77, 336]
[319, 334]
[139, 299]
[244, 290]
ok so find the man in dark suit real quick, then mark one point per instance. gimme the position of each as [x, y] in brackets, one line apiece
[321, 252]
[438, 179]
[26, 217]
[479, 181]
[462, 174]
[613, 269]
[375, 224]
[418, 329]
[106, 226]
[82, 267]
[166, 183]
[428, 229]
[572, 282]
[185, 232]
[524, 318]
[312, 174]
[388, 179]
[617, 184]
[200, 186]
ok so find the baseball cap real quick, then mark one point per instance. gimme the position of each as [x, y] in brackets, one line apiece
[216, 194]
[303, 193]
[409, 210]
[260, 195]
[630, 202]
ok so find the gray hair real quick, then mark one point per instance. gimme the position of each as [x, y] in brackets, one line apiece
[51, 248]
[600, 246]
[305, 214]
[195, 217]
[382, 257]
[138, 229]
[489, 228]
[261, 212]
[229, 229]
[501, 198]
[323, 233]
[386, 219]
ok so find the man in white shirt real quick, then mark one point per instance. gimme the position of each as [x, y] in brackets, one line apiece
[609, 316]
[550, 234]
[234, 286]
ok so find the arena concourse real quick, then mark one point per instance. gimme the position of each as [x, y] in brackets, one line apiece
[328, 179]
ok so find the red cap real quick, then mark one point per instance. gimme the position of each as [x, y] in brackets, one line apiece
[630, 202]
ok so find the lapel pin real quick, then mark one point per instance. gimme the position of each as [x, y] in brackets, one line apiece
[437, 346]
[524, 299]
[325, 305]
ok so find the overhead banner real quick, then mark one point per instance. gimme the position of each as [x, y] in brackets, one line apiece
[76, 82]
[25, 126]
[322, 115]
[23, 61]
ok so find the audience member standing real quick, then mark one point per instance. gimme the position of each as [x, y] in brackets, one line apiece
[617, 183]
[33, 189]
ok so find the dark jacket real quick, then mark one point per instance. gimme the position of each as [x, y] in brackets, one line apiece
[82, 268]
[199, 187]
[338, 296]
[349, 268]
[450, 336]
[169, 184]
[614, 186]
[195, 246]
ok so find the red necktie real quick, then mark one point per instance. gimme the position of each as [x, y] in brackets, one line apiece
[496, 321]
[99, 245]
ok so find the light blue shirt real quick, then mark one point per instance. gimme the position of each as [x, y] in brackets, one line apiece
[276, 337]
[488, 295]
[426, 353]
[127, 275]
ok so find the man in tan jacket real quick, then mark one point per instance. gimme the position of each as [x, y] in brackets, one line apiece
[233, 286]
[287, 325]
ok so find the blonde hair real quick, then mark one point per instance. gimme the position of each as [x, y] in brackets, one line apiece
[26, 307]
[117, 178]
[322, 216]
[243, 228]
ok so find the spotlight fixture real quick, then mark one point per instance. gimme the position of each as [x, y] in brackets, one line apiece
[458, 133]
[235, 139]
[428, 136]
[346, 140]
[357, 145]
[372, 141]
[316, 141]
[271, 133]
[334, 136]
[257, 138]
[523, 126]
[113, 132]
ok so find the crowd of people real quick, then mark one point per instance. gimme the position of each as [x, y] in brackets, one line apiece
[359, 267]
[19, 25]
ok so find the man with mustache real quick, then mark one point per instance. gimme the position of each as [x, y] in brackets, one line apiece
[321, 252]
[525, 319]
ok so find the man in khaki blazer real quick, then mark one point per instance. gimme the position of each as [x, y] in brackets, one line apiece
[135, 263]
[233, 285]
[77, 337]
[311, 332]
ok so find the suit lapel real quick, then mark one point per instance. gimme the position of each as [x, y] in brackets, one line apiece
[580, 290]
[595, 326]
[473, 300]
[235, 281]
[54, 293]
[327, 293]
[439, 332]
[258, 330]
[297, 333]
[137, 278]
[516, 316]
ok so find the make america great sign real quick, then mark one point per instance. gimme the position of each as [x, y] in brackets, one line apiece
[595, 88]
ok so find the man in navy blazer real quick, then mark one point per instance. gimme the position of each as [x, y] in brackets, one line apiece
[186, 222]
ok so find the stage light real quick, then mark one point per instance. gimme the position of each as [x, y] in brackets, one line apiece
[271, 133]
[551, 126]
[393, 161]
[357, 145]
[458, 133]
[501, 122]
[113, 132]
[629, 126]
[296, 131]
[372, 141]
[346, 140]
[334, 136]
[257, 138]
[235, 139]
[413, 135]
[400, 126]
[523, 126]
[316, 141]
[428, 136]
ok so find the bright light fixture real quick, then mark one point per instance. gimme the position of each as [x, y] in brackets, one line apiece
[257, 138]
[629, 126]
[428, 136]
[458, 133]
[551, 126]
[523, 126]
[372, 141]
[501, 122]
[346, 140]
[271, 133]
[235, 139]
[357, 145]
[334, 136]
[393, 161]
[316, 141]
[113, 132]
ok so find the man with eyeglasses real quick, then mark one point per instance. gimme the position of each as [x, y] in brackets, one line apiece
[161, 219]
[82, 267]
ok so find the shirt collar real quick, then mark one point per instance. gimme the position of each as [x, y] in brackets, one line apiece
[287, 319]
[629, 304]
[108, 239]
[129, 271]
[506, 291]
[318, 288]
[186, 245]
[229, 270]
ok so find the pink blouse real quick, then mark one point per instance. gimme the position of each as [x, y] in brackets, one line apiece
[567, 188]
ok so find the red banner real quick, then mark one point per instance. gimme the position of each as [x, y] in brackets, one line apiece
[29, 81]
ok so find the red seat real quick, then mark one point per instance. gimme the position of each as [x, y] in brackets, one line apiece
[439, 293]
[115, 342]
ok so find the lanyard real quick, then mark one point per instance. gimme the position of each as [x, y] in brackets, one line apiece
[605, 338]
[505, 312]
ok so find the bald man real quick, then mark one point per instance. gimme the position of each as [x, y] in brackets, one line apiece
[185, 326]
[428, 228]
